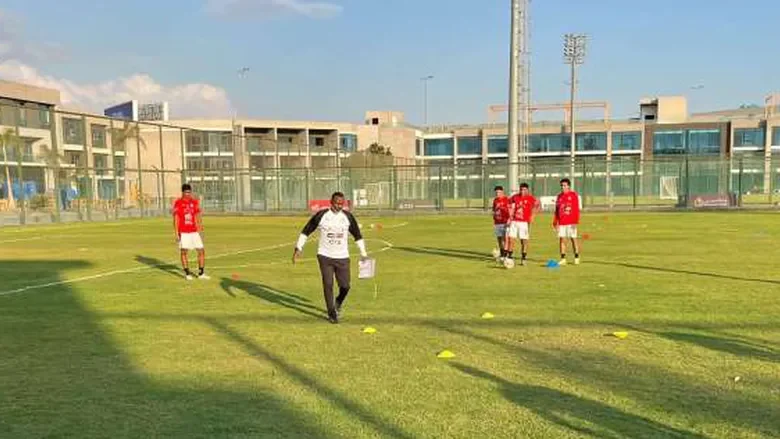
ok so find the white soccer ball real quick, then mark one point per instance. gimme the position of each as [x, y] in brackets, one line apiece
[509, 263]
[496, 253]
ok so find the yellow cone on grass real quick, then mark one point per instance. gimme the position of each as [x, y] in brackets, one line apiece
[369, 330]
[487, 316]
[620, 334]
[445, 354]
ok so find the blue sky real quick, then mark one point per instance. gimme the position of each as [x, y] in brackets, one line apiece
[334, 59]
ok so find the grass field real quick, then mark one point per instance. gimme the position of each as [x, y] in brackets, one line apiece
[100, 336]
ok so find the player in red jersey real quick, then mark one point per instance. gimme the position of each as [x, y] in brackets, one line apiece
[500, 220]
[187, 226]
[522, 207]
[566, 219]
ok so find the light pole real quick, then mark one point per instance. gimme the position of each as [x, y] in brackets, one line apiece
[574, 46]
[425, 80]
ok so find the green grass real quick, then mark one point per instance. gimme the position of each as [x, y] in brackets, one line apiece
[142, 353]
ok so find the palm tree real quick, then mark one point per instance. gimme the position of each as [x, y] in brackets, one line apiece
[120, 136]
[8, 139]
[53, 160]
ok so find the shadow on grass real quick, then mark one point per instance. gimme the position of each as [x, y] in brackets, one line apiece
[449, 253]
[653, 385]
[384, 427]
[688, 272]
[729, 345]
[165, 267]
[581, 415]
[272, 295]
[61, 375]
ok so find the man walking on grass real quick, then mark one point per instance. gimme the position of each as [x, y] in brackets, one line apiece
[334, 224]
[188, 226]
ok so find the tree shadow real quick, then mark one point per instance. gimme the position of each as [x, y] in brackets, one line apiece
[384, 427]
[272, 295]
[165, 267]
[581, 415]
[449, 253]
[729, 345]
[688, 272]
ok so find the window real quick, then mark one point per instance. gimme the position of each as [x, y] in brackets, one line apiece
[318, 142]
[119, 166]
[348, 142]
[194, 142]
[749, 137]
[628, 141]
[776, 136]
[549, 143]
[703, 142]
[498, 145]
[73, 131]
[73, 158]
[469, 145]
[591, 141]
[439, 147]
[100, 163]
[98, 136]
[668, 142]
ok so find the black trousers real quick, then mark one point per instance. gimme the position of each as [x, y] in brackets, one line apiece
[330, 268]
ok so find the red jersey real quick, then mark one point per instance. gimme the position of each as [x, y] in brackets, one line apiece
[186, 210]
[524, 207]
[501, 210]
[567, 209]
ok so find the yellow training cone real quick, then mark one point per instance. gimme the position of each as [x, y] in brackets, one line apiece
[620, 334]
[369, 330]
[487, 316]
[445, 354]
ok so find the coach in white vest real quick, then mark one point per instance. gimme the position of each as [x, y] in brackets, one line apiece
[334, 224]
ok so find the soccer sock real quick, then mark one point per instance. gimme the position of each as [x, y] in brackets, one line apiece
[509, 254]
[503, 252]
[201, 270]
[577, 255]
[563, 255]
[187, 271]
[525, 256]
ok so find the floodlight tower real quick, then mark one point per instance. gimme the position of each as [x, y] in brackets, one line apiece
[519, 90]
[574, 47]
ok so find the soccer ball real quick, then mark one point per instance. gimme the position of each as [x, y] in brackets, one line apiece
[496, 253]
[509, 263]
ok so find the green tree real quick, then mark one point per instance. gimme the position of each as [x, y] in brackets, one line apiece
[376, 155]
[14, 145]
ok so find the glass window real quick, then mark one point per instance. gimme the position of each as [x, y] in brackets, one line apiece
[549, 143]
[498, 145]
[73, 131]
[119, 166]
[627, 141]
[469, 145]
[703, 142]
[749, 137]
[591, 141]
[439, 147]
[98, 136]
[194, 141]
[100, 162]
[668, 142]
[348, 142]
[73, 158]
[776, 136]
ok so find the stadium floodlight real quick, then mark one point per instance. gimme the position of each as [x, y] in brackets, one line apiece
[425, 80]
[574, 51]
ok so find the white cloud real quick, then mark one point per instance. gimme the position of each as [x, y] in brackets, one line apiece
[186, 100]
[252, 9]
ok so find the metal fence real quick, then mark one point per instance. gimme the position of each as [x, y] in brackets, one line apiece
[98, 194]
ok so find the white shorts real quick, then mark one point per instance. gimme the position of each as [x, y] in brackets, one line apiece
[190, 241]
[519, 230]
[569, 231]
[500, 230]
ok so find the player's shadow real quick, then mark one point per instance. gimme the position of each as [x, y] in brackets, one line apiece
[449, 253]
[165, 267]
[729, 345]
[580, 415]
[272, 295]
[688, 272]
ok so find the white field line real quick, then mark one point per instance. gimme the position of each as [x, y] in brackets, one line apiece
[129, 270]
[388, 246]
[8, 241]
